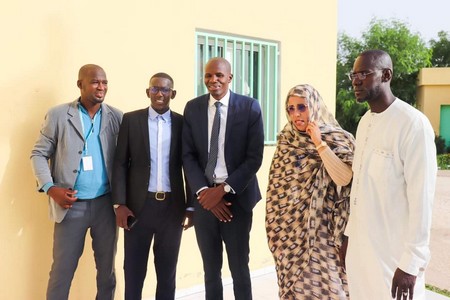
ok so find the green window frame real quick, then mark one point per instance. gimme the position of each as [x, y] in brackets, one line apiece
[255, 68]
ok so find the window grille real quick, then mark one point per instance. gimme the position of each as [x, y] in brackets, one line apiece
[254, 65]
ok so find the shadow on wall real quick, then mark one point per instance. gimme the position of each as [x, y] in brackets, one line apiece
[27, 238]
[27, 232]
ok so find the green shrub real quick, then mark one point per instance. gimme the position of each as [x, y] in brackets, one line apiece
[438, 290]
[443, 161]
[441, 148]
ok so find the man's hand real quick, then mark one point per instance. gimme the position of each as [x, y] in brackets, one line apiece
[188, 219]
[122, 214]
[210, 197]
[343, 251]
[64, 197]
[403, 285]
[222, 212]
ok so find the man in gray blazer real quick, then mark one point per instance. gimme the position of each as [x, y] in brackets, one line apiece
[72, 161]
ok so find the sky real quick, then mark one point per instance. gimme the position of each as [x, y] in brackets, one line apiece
[426, 17]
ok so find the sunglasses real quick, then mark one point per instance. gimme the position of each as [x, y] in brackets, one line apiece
[156, 89]
[300, 107]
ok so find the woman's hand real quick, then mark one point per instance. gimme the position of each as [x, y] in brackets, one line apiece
[314, 132]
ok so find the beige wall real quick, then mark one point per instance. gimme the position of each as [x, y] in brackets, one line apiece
[43, 44]
[433, 90]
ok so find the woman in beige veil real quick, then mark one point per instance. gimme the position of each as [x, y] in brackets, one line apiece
[308, 199]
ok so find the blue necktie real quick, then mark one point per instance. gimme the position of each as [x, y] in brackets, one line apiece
[213, 145]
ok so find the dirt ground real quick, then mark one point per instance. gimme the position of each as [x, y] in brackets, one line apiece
[438, 272]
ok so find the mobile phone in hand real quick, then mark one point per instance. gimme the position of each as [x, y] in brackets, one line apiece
[131, 221]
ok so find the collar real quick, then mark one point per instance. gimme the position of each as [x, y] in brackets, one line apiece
[84, 110]
[152, 114]
[225, 99]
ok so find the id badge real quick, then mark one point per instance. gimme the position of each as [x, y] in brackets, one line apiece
[87, 163]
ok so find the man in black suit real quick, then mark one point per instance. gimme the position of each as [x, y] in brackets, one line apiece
[147, 186]
[220, 161]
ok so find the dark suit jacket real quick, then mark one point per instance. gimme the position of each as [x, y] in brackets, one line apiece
[244, 145]
[131, 171]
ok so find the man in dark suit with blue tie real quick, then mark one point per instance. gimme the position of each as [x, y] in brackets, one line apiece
[223, 141]
[147, 186]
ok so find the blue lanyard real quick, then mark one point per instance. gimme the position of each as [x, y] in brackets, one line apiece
[91, 130]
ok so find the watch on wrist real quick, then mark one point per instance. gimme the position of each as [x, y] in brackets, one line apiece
[226, 188]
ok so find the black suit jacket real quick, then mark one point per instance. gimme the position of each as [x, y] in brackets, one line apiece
[244, 146]
[131, 171]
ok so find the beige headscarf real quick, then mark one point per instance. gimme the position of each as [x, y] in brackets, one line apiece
[300, 191]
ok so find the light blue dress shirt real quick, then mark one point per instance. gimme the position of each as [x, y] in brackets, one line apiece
[159, 158]
[93, 183]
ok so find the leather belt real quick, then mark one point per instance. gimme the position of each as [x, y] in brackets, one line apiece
[160, 196]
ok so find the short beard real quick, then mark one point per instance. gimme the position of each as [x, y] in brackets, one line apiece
[99, 101]
[371, 94]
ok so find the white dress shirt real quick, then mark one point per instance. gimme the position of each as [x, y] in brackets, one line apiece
[220, 172]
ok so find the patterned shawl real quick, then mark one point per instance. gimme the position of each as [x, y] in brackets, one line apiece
[301, 192]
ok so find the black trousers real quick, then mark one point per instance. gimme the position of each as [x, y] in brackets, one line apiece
[159, 223]
[211, 236]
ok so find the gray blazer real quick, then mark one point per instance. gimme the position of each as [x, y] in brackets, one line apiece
[61, 142]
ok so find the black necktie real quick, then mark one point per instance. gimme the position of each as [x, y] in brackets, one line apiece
[213, 145]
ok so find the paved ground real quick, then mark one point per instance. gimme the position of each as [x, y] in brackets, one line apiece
[438, 272]
[264, 288]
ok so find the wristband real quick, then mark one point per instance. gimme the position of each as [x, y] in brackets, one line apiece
[322, 144]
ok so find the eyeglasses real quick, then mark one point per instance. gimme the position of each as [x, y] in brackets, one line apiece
[359, 75]
[300, 107]
[156, 89]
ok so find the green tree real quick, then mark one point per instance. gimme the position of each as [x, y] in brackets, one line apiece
[348, 112]
[409, 54]
[441, 50]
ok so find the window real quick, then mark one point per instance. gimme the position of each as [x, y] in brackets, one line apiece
[255, 71]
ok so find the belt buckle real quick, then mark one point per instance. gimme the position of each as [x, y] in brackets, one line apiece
[160, 196]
